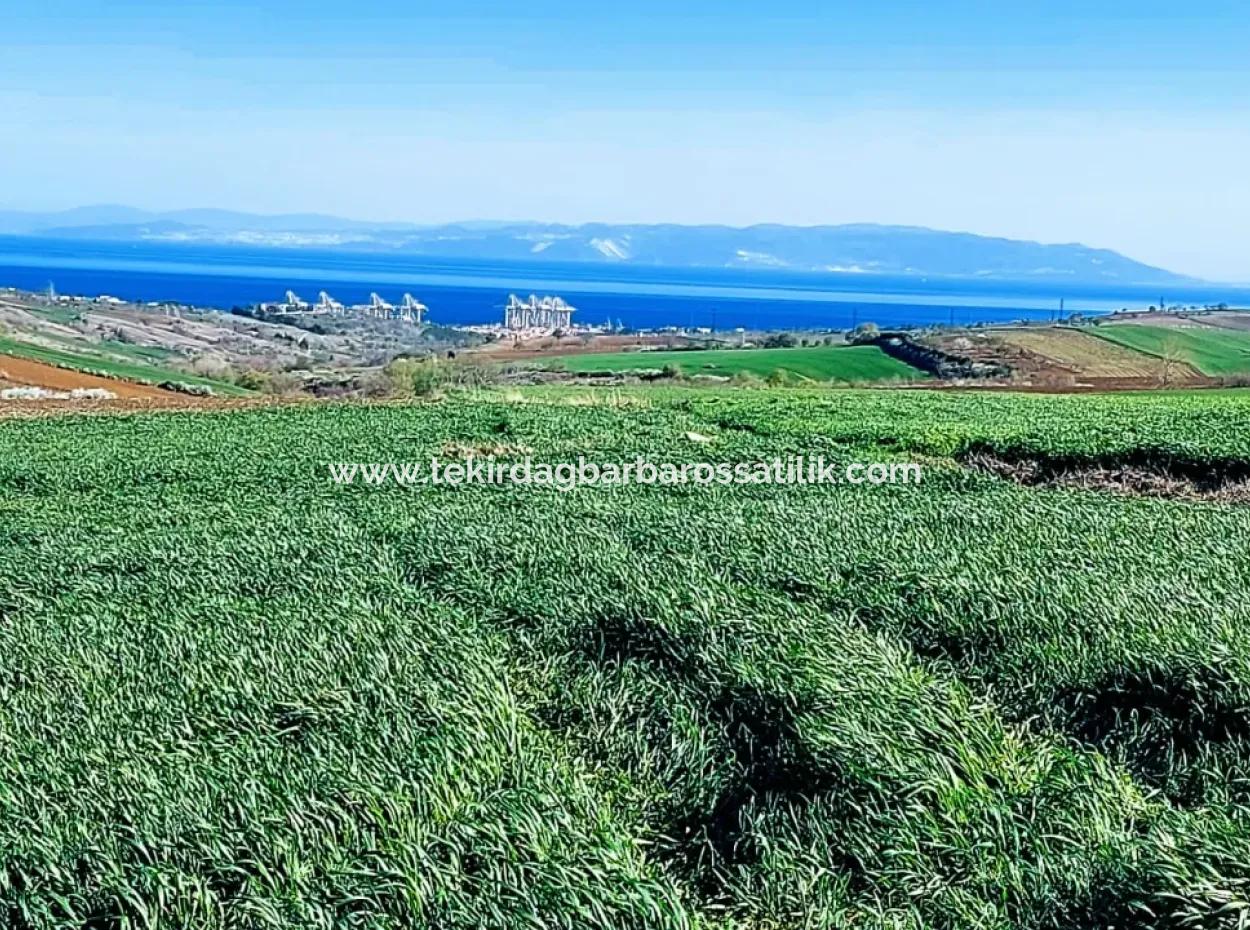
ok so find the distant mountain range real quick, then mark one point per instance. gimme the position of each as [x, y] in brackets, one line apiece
[848, 249]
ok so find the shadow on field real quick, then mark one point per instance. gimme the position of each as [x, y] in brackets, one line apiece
[1160, 720]
[772, 773]
[1143, 472]
[1181, 729]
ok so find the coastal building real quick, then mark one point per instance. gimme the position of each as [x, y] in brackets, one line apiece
[549, 313]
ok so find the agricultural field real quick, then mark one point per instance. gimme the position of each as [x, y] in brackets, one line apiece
[817, 363]
[1090, 357]
[144, 368]
[1227, 319]
[25, 375]
[1216, 352]
[234, 693]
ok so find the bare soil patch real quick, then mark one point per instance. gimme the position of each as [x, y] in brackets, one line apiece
[166, 402]
[1094, 359]
[1231, 319]
[24, 372]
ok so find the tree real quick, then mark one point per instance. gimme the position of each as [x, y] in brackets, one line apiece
[1173, 358]
[780, 341]
[864, 332]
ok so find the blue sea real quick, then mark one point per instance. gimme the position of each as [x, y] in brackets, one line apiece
[470, 291]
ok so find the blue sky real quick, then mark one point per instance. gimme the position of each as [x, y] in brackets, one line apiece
[1125, 125]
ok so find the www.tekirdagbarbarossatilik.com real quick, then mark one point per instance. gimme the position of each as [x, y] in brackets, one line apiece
[582, 472]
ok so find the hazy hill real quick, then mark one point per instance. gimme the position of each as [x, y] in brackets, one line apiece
[851, 249]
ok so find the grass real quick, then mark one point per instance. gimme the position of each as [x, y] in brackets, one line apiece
[87, 361]
[111, 348]
[63, 315]
[821, 363]
[156, 354]
[233, 693]
[1214, 352]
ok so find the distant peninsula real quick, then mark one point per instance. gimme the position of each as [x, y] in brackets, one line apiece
[867, 249]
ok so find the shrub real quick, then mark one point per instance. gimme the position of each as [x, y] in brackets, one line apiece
[254, 380]
[781, 341]
[421, 377]
[778, 378]
[746, 379]
[183, 387]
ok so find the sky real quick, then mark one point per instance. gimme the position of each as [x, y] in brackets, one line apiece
[1118, 125]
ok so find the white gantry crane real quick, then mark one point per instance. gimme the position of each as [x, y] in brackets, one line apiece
[327, 304]
[409, 310]
[413, 309]
[549, 313]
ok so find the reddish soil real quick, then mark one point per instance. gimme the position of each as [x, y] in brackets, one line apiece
[167, 402]
[25, 373]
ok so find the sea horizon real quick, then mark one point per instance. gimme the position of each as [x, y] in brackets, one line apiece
[472, 291]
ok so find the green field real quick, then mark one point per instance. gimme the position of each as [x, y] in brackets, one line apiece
[818, 363]
[63, 315]
[1217, 353]
[236, 694]
[96, 361]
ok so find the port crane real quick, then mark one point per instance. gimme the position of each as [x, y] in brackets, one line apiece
[410, 310]
[327, 304]
[538, 313]
[413, 309]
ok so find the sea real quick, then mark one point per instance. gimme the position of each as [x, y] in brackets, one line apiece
[468, 291]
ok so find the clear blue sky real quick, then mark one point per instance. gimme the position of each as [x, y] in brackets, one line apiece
[1125, 125]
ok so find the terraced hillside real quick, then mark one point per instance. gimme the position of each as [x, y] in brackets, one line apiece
[236, 694]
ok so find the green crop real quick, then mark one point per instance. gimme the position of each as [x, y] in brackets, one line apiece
[1213, 351]
[235, 694]
[815, 363]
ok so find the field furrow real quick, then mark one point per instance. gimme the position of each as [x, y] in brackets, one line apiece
[238, 694]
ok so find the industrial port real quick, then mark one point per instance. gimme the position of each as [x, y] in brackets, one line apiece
[409, 310]
[522, 317]
[531, 316]
[543, 313]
